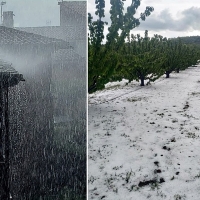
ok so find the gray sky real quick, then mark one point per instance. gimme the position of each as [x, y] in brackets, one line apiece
[171, 18]
[31, 13]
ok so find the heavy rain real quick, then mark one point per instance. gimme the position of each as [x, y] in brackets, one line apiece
[43, 107]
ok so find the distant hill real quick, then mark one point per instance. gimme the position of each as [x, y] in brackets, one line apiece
[190, 39]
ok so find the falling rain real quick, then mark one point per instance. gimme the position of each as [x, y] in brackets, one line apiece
[43, 106]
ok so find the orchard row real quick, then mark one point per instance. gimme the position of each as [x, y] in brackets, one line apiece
[123, 55]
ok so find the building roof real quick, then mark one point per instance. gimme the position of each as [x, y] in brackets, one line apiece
[66, 33]
[11, 36]
[8, 75]
[6, 67]
[67, 55]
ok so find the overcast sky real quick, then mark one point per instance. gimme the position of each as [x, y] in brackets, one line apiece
[31, 13]
[171, 18]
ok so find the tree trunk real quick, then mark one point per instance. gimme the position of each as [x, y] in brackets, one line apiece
[142, 81]
[167, 74]
[92, 87]
[177, 70]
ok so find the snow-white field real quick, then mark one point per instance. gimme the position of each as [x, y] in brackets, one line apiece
[143, 142]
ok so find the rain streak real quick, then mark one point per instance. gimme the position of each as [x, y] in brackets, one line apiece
[43, 107]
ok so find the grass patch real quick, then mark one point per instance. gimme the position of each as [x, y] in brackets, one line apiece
[191, 135]
[195, 93]
[128, 176]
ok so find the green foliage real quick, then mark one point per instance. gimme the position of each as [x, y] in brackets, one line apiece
[179, 56]
[103, 59]
[171, 51]
[129, 56]
[142, 59]
[195, 40]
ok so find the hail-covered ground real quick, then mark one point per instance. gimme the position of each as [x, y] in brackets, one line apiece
[143, 142]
